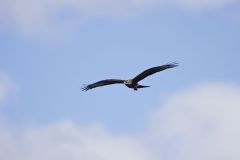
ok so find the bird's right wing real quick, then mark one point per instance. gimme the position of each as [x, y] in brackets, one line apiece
[153, 70]
[102, 83]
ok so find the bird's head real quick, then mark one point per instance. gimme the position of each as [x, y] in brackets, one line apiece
[128, 81]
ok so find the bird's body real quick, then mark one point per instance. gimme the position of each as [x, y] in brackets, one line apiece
[131, 83]
[134, 85]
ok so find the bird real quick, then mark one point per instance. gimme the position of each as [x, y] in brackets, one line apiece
[131, 83]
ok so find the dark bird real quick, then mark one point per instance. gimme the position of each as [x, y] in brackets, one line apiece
[131, 83]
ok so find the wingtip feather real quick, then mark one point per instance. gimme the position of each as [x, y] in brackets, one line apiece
[173, 64]
[85, 88]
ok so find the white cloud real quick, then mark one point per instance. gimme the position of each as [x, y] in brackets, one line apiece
[66, 141]
[43, 17]
[202, 123]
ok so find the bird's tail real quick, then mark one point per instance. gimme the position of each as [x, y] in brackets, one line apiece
[141, 86]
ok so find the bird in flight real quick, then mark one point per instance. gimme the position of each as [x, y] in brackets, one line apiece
[131, 83]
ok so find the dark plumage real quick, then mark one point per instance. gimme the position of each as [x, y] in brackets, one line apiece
[102, 83]
[131, 83]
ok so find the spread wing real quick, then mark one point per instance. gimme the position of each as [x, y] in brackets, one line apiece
[153, 70]
[102, 83]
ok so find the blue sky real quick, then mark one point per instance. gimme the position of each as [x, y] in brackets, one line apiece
[50, 49]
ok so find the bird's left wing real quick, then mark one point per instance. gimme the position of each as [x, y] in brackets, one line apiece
[153, 70]
[102, 83]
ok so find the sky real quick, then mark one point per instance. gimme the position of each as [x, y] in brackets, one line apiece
[49, 49]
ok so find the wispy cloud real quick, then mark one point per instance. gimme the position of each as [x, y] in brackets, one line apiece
[50, 16]
[6, 87]
[35, 17]
[202, 5]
